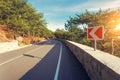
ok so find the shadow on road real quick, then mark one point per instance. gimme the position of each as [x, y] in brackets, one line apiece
[70, 68]
[45, 68]
[48, 42]
[32, 56]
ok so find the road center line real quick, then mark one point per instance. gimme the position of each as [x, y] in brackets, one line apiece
[19, 56]
[10, 60]
[58, 64]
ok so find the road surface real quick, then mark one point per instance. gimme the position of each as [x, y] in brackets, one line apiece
[49, 60]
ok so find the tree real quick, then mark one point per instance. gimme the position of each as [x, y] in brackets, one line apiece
[22, 18]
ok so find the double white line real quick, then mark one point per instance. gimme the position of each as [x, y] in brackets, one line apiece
[58, 65]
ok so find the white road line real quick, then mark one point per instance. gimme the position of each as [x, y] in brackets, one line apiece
[58, 64]
[10, 60]
[19, 56]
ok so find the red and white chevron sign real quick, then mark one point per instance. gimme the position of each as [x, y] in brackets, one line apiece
[95, 33]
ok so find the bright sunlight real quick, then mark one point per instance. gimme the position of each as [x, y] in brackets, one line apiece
[117, 27]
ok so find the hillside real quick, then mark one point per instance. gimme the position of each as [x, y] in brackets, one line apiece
[8, 36]
[5, 34]
[21, 20]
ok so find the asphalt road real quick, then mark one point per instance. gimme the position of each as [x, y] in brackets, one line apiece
[49, 60]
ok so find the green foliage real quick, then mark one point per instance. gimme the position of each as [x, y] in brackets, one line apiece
[59, 33]
[74, 34]
[23, 18]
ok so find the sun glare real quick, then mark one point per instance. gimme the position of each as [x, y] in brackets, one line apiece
[117, 27]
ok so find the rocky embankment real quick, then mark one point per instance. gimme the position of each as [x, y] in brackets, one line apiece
[8, 40]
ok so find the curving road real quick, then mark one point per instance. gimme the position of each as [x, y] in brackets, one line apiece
[49, 60]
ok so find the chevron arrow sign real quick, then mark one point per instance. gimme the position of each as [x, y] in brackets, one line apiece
[95, 33]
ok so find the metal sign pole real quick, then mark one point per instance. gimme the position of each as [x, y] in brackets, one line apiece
[95, 45]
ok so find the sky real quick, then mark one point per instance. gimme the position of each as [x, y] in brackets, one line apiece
[57, 12]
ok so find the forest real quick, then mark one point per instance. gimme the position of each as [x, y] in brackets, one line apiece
[76, 29]
[21, 19]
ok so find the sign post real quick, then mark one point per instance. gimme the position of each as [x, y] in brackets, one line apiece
[95, 33]
[95, 45]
